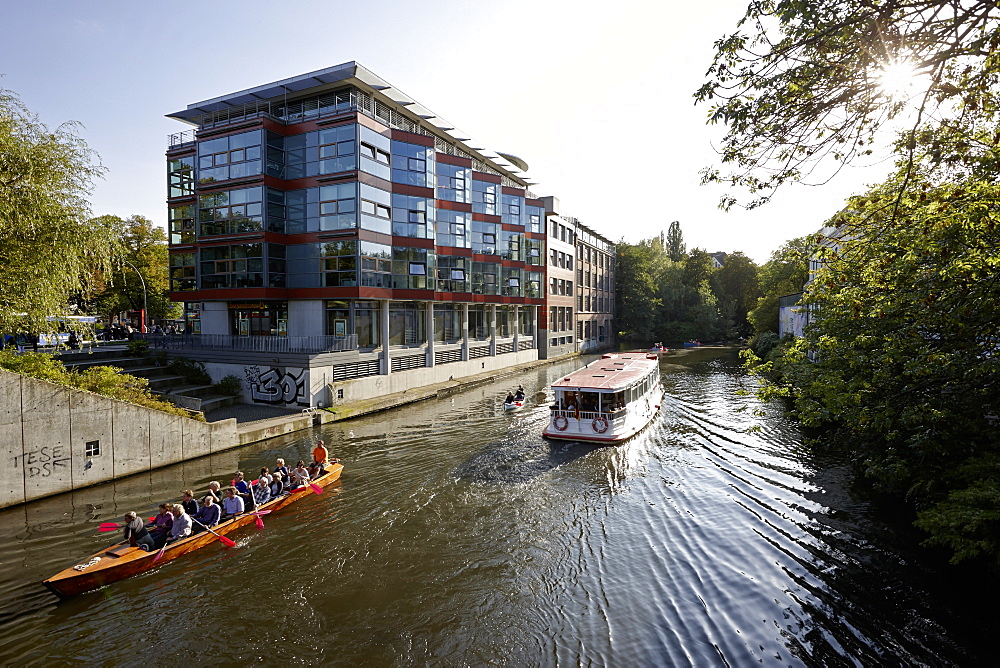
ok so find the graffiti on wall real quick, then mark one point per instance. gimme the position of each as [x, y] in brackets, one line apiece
[274, 386]
[43, 462]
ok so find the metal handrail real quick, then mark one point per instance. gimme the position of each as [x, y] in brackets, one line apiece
[261, 344]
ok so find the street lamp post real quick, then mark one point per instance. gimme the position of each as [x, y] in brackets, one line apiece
[145, 309]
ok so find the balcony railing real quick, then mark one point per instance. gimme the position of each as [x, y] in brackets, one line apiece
[256, 344]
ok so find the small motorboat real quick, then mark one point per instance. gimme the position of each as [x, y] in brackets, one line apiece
[513, 405]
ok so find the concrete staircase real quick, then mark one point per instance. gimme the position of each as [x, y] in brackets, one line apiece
[162, 381]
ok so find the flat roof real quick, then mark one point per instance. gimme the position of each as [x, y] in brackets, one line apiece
[350, 74]
[611, 372]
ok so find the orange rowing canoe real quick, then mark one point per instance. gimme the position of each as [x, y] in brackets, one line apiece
[121, 561]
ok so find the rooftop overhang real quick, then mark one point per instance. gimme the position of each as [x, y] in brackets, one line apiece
[339, 76]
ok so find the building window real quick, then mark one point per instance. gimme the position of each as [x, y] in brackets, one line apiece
[231, 211]
[180, 178]
[407, 326]
[338, 207]
[337, 149]
[239, 266]
[339, 263]
[92, 449]
[182, 228]
[183, 276]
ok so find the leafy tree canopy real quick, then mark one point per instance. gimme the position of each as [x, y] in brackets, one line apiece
[675, 242]
[140, 276]
[785, 273]
[904, 347]
[801, 81]
[50, 249]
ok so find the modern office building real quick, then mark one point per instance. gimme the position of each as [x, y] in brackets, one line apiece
[595, 301]
[331, 238]
[559, 336]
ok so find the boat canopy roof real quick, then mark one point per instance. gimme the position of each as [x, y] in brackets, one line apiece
[612, 373]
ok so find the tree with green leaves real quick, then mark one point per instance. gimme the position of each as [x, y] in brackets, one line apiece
[737, 287]
[803, 82]
[635, 292]
[785, 273]
[902, 358]
[139, 278]
[50, 247]
[675, 242]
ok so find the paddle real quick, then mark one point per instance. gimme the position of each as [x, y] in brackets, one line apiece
[109, 526]
[160, 553]
[316, 488]
[225, 541]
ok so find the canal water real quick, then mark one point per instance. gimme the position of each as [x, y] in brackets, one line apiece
[458, 536]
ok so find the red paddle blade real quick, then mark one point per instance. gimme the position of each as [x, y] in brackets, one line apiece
[260, 512]
[260, 522]
[153, 518]
[113, 527]
[225, 541]
[316, 488]
[159, 554]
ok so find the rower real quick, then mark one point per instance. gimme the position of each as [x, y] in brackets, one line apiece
[320, 455]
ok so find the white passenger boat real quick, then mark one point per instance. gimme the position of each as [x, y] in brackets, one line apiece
[609, 400]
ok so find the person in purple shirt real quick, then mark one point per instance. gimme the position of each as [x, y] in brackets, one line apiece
[208, 515]
[160, 528]
[181, 527]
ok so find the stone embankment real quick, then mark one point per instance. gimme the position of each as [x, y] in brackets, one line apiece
[56, 439]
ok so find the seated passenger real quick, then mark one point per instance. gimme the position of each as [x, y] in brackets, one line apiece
[182, 524]
[300, 476]
[277, 486]
[232, 505]
[208, 515]
[510, 397]
[265, 473]
[162, 523]
[187, 500]
[136, 533]
[261, 491]
[281, 468]
[243, 490]
[519, 395]
[215, 489]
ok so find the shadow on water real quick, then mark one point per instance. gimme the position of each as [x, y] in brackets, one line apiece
[513, 462]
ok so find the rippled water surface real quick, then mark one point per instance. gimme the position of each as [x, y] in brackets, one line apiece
[458, 536]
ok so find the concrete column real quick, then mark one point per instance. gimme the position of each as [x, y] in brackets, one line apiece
[430, 335]
[306, 317]
[215, 318]
[386, 362]
[534, 326]
[517, 326]
[465, 332]
[493, 329]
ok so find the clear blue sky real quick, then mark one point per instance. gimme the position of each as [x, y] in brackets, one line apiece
[595, 96]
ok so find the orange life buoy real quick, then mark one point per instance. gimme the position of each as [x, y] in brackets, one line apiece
[600, 425]
[560, 422]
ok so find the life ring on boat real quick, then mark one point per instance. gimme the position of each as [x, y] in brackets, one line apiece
[560, 422]
[600, 425]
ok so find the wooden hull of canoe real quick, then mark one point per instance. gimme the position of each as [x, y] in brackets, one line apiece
[120, 561]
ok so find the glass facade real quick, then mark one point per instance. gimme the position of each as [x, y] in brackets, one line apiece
[231, 211]
[337, 207]
[233, 157]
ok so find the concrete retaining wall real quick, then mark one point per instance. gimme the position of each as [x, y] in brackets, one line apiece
[45, 430]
